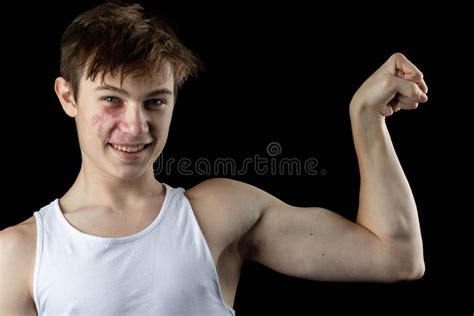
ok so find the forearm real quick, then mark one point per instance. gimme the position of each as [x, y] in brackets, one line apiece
[386, 204]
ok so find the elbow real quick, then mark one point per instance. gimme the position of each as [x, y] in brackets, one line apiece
[405, 264]
[405, 260]
[417, 271]
[408, 268]
[413, 272]
[400, 272]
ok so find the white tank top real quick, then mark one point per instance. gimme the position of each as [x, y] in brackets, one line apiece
[166, 269]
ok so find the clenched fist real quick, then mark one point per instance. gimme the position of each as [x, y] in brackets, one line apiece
[396, 85]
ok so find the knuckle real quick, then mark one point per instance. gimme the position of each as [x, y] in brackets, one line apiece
[397, 55]
[418, 76]
[388, 84]
[414, 89]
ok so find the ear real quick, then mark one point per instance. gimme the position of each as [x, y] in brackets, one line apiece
[66, 96]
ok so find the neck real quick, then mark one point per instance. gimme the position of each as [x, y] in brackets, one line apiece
[97, 188]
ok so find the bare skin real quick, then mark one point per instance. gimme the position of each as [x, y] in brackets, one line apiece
[116, 194]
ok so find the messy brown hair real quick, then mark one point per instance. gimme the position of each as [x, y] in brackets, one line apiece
[118, 39]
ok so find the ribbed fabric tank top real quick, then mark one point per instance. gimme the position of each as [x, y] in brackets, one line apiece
[166, 269]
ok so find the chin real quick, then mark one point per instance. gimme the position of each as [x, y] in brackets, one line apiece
[128, 174]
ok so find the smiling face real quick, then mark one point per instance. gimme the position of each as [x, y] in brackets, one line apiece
[122, 128]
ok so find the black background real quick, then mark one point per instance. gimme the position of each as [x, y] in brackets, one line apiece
[274, 73]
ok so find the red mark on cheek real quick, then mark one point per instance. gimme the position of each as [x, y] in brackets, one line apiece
[105, 121]
[97, 119]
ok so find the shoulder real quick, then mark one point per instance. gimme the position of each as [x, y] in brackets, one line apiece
[227, 209]
[20, 236]
[214, 184]
[18, 244]
[231, 194]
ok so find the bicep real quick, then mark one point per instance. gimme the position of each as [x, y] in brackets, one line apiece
[315, 243]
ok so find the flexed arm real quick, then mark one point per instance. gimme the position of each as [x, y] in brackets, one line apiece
[383, 245]
[386, 205]
[385, 242]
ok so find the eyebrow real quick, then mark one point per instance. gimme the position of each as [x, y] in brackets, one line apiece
[125, 93]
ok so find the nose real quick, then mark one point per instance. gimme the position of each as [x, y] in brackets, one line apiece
[135, 120]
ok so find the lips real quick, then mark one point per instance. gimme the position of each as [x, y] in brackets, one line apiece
[129, 151]
[129, 148]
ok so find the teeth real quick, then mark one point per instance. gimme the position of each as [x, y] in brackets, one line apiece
[129, 149]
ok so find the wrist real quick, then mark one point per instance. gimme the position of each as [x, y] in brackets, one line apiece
[365, 115]
[368, 126]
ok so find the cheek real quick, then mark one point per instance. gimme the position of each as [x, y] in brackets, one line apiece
[104, 121]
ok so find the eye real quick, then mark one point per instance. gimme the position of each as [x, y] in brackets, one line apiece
[110, 99]
[155, 103]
